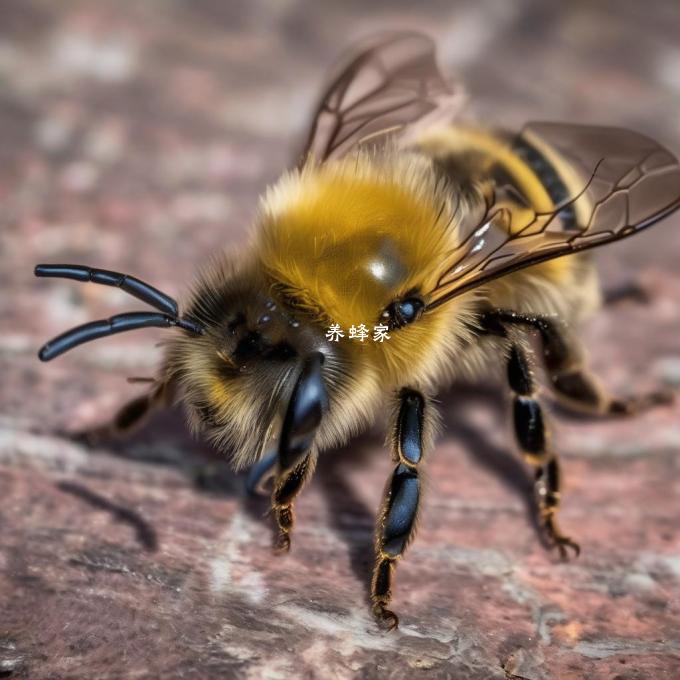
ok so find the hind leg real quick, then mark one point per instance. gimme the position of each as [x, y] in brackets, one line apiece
[533, 438]
[574, 384]
[632, 291]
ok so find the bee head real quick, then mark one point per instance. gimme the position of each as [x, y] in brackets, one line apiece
[256, 367]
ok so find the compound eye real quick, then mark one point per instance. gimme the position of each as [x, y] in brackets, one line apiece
[403, 312]
[408, 310]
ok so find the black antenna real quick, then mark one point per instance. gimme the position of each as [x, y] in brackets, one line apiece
[119, 323]
[142, 291]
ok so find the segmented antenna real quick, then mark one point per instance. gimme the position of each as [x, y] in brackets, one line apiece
[142, 291]
[120, 323]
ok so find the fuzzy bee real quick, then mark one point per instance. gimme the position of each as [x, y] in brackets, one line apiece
[460, 241]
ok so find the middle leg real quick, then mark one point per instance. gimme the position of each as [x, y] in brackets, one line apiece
[412, 432]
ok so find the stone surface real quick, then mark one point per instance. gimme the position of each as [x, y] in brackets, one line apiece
[138, 138]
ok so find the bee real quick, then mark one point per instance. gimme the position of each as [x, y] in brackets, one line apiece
[462, 241]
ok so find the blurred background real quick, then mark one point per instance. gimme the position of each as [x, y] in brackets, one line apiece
[138, 137]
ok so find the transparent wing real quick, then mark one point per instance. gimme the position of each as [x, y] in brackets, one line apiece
[619, 182]
[390, 85]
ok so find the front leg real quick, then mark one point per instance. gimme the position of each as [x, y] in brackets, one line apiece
[296, 453]
[286, 488]
[131, 415]
[412, 430]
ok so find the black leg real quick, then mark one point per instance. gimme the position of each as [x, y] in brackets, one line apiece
[534, 442]
[296, 455]
[412, 432]
[286, 488]
[260, 474]
[130, 416]
[574, 385]
[632, 291]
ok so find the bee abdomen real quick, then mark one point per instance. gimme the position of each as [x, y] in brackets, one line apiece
[549, 178]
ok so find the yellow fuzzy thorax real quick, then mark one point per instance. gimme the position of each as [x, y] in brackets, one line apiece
[347, 238]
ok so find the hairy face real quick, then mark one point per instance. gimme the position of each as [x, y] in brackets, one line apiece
[236, 378]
